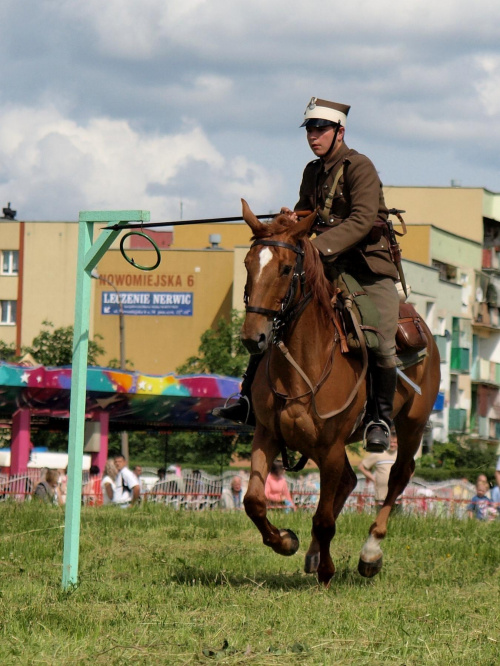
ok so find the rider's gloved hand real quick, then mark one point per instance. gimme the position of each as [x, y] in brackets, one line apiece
[291, 214]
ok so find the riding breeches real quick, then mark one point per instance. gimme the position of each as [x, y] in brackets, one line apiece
[383, 292]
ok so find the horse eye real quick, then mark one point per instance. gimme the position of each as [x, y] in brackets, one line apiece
[287, 270]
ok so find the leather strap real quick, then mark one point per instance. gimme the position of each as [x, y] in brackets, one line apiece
[325, 212]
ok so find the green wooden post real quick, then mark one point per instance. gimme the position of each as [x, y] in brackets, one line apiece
[89, 254]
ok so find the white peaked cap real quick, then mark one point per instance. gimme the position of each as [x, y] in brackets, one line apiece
[323, 110]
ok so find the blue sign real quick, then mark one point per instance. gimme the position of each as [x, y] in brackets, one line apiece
[152, 303]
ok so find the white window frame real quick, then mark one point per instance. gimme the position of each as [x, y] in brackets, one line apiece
[10, 262]
[8, 312]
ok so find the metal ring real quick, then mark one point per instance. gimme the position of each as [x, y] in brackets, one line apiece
[130, 260]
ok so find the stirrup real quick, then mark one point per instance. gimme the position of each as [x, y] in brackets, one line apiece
[377, 449]
[242, 399]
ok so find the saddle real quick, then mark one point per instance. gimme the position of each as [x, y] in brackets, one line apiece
[410, 336]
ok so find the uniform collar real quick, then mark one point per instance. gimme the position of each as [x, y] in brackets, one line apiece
[339, 156]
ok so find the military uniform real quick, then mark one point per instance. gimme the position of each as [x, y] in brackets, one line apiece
[343, 232]
[346, 188]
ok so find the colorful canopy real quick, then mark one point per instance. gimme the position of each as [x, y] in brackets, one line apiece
[131, 398]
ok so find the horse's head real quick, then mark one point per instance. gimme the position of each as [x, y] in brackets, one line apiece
[270, 265]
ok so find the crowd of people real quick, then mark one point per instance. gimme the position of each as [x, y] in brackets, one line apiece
[122, 487]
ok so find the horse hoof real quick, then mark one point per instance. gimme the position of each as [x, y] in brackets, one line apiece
[289, 542]
[311, 563]
[370, 569]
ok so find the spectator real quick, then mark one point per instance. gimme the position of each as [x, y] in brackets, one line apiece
[63, 485]
[46, 490]
[138, 472]
[162, 474]
[108, 482]
[92, 489]
[276, 488]
[480, 506]
[495, 493]
[127, 488]
[381, 464]
[232, 497]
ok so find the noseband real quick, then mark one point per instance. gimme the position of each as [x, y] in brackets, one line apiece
[285, 313]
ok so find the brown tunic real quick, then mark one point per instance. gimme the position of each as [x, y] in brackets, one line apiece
[357, 203]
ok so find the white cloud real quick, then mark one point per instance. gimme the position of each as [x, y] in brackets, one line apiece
[52, 167]
[489, 84]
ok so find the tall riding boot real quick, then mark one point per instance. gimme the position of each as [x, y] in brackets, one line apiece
[242, 411]
[378, 431]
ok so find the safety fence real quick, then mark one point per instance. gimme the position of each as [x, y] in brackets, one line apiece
[197, 491]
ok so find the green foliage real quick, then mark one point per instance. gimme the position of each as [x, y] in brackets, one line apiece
[220, 350]
[198, 448]
[456, 459]
[7, 352]
[54, 346]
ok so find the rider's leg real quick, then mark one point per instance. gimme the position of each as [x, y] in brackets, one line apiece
[382, 363]
[241, 411]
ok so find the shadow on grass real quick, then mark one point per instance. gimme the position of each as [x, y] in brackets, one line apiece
[193, 576]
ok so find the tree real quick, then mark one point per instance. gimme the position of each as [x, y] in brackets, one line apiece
[220, 350]
[54, 346]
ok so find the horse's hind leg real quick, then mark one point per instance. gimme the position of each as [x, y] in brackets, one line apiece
[264, 451]
[347, 484]
[409, 437]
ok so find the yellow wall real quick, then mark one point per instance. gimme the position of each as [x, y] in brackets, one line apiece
[196, 235]
[50, 254]
[159, 344]
[455, 209]
[415, 245]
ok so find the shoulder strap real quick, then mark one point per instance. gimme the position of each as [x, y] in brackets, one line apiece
[325, 213]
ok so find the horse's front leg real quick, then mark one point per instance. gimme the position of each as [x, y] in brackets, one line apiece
[323, 531]
[264, 452]
[347, 484]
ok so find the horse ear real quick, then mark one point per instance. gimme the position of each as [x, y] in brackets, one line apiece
[250, 218]
[304, 226]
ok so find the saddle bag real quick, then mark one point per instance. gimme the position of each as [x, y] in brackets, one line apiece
[363, 309]
[410, 335]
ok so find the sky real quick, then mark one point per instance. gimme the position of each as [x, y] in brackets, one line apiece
[183, 107]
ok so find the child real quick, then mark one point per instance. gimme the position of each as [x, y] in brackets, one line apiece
[481, 507]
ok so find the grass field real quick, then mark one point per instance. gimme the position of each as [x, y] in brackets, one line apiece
[165, 587]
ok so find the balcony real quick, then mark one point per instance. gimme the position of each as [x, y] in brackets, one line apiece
[485, 372]
[457, 421]
[460, 359]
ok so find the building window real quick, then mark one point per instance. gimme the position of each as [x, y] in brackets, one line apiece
[10, 260]
[8, 309]
[447, 272]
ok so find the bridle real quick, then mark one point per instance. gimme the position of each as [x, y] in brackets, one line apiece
[286, 312]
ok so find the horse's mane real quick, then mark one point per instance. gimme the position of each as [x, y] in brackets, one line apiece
[320, 287]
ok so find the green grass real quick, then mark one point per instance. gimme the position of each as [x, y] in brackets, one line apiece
[165, 587]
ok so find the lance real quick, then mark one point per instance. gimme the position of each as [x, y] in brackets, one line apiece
[151, 225]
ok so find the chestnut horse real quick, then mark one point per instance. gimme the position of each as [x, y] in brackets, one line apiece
[307, 395]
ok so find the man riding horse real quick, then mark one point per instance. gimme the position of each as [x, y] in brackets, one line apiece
[344, 187]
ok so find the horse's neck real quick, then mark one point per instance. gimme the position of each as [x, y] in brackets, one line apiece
[311, 336]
